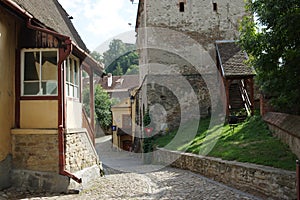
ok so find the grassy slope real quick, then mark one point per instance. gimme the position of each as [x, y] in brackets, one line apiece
[250, 141]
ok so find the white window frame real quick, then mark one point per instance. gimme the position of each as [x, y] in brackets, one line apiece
[72, 88]
[40, 50]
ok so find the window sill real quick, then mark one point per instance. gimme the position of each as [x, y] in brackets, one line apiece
[39, 98]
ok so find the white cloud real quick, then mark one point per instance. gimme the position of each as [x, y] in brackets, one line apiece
[99, 20]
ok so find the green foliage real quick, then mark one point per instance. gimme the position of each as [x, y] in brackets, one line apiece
[120, 55]
[274, 50]
[147, 119]
[250, 141]
[97, 56]
[86, 100]
[102, 107]
[148, 141]
[133, 69]
[118, 71]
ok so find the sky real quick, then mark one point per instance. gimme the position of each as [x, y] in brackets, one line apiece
[98, 21]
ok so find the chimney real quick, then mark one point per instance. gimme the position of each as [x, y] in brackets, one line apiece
[109, 79]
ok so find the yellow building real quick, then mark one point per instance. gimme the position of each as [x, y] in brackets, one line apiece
[46, 139]
[122, 90]
[122, 121]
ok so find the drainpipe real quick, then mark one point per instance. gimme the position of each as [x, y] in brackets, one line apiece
[63, 54]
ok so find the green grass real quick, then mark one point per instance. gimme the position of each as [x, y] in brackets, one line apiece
[251, 141]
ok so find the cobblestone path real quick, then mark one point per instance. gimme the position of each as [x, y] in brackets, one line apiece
[155, 182]
[167, 183]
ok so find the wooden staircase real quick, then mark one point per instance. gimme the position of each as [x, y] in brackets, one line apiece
[235, 98]
[239, 101]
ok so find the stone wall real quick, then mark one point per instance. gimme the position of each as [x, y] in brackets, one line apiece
[81, 157]
[199, 20]
[36, 160]
[287, 128]
[80, 152]
[177, 99]
[38, 181]
[258, 180]
[36, 152]
[5, 171]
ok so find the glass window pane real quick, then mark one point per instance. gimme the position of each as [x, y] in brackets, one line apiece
[72, 71]
[68, 70]
[49, 68]
[49, 87]
[31, 66]
[76, 72]
[49, 72]
[31, 88]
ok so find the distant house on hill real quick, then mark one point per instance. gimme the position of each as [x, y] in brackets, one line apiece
[46, 139]
[118, 87]
[122, 88]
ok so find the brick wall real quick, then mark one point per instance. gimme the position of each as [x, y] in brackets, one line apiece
[258, 180]
[286, 127]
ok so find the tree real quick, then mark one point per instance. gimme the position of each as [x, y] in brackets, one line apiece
[118, 71]
[133, 69]
[119, 55]
[102, 107]
[116, 49]
[273, 45]
[97, 56]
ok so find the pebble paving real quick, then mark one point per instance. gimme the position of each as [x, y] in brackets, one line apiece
[155, 183]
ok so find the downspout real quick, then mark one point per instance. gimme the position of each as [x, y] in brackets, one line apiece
[63, 54]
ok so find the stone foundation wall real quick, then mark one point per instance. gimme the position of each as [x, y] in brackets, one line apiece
[286, 128]
[5, 172]
[80, 152]
[36, 152]
[37, 181]
[36, 160]
[258, 180]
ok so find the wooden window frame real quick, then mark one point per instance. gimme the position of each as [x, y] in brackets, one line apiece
[38, 95]
[73, 84]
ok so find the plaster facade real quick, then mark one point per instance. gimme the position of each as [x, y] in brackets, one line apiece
[8, 33]
[38, 114]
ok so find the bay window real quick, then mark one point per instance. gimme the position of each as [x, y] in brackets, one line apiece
[39, 72]
[72, 77]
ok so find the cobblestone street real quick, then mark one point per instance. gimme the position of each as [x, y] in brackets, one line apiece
[119, 183]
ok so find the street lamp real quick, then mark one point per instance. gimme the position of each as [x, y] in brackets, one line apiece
[131, 99]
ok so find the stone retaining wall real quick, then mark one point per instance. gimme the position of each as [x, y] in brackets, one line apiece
[286, 128]
[258, 180]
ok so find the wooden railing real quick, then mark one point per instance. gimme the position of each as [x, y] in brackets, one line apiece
[86, 124]
[245, 96]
